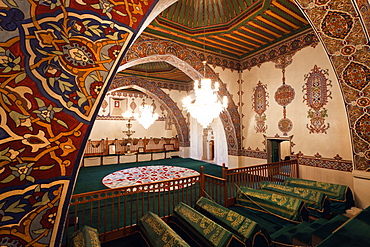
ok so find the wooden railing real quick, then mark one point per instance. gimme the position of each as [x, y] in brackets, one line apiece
[105, 146]
[251, 176]
[115, 212]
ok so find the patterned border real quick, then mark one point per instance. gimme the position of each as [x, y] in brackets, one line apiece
[291, 46]
[254, 154]
[340, 28]
[340, 165]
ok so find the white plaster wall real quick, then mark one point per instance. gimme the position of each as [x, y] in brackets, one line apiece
[361, 184]
[230, 79]
[113, 129]
[326, 175]
[337, 139]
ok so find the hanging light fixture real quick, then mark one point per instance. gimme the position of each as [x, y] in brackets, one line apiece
[147, 116]
[204, 104]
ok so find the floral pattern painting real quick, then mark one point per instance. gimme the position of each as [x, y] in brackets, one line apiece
[56, 62]
[316, 97]
[260, 104]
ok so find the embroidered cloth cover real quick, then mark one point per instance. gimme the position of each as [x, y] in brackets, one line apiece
[286, 207]
[335, 192]
[159, 233]
[213, 233]
[245, 228]
[314, 199]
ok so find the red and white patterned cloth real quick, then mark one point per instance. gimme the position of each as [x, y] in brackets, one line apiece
[145, 174]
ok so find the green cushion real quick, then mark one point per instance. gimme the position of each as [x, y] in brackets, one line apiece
[158, 232]
[286, 207]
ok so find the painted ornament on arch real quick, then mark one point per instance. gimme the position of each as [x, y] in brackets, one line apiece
[284, 95]
[260, 104]
[285, 125]
[316, 96]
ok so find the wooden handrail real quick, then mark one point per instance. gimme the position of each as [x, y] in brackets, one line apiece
[125, 206]
[101, 147]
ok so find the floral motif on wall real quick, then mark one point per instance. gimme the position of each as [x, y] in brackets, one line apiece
[342, 27]
[316, 96]
[260, 104]
[284, 95]
[55, 64]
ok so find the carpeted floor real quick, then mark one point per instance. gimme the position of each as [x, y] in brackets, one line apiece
[90, 178]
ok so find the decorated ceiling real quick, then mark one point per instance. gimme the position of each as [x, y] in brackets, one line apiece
[157, 71]
[234, 29]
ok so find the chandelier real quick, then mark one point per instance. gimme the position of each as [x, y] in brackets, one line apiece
[204, 104]
[128, 132]
[147, 116]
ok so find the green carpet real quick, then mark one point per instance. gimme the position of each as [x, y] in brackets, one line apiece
[90, 178]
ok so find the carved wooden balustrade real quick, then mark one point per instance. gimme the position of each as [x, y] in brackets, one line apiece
[115, 212]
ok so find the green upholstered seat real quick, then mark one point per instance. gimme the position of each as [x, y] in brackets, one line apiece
[86, 236]
[205, 229]
[286, 207]
[248, 230]
[159, 233]
[316, 201]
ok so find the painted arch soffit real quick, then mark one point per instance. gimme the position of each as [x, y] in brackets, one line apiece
[339, 25]
[144, 51]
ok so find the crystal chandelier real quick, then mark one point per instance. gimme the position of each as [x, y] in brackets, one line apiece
[147, 116]
[128, 132]
[204, 104]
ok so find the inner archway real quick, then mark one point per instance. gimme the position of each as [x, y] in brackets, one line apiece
[144, 51]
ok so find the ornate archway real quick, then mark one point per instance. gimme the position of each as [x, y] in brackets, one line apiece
[151, 50]
[156, 92]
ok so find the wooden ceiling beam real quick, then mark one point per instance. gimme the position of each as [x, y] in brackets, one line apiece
[256, 33]
[242, 40]
[270, 23]
[281, 19]
[234, 43]
[221, 46]
[247, 37]
[264, 29]
[278, 5]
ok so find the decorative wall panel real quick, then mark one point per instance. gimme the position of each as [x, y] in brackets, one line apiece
[284, 95]
[260, 104]
[55, 65]
[316, 97]
[343, 30]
